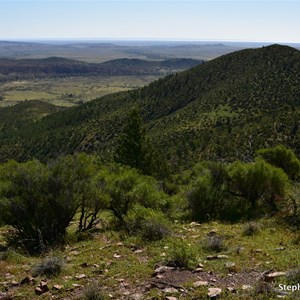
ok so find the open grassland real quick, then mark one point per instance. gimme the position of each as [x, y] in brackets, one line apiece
[123, 267]
[68, 91]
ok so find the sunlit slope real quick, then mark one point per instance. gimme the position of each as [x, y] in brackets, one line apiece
[225, 109]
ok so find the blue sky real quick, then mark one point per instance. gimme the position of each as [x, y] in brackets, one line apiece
[239, 20]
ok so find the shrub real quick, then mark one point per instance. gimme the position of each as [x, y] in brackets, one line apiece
[251, 229]
[204, 200]
[36, 203]
[258, 181]
[150, 224]
[283, 158]
[181, 255]
[93, 292]
[293, 276]
[214, 243]
[50, 266]
[40, 201]
[126, 188]
[209, 200]
[154, 230]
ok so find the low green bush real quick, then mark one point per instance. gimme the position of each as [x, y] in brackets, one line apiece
[50, 267]
[181, 255]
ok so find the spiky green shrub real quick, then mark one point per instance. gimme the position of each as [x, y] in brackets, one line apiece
[181, 255]
[49, 266]
[214, 243]
[251, 228]
[93, 292]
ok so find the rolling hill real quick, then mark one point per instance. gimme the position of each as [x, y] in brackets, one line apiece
[223, 109]
[16, 69]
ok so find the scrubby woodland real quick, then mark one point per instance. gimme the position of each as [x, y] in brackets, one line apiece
[185, 189]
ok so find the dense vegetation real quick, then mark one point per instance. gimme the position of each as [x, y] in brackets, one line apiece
[18, 69]
[40, 200]
[224, 109]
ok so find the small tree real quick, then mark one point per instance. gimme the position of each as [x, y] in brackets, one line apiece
[134, 149]
[283, 158]
[131, 147]
[77, 174]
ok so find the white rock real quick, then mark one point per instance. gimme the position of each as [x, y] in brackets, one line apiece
[200, 283]
[214, 292]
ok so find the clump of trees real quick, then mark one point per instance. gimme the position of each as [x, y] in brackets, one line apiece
[243, 190]
[40, 200]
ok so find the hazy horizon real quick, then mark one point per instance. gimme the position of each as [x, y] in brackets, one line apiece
[169, 20]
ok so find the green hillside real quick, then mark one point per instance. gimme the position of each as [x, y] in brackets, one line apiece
[224, 109]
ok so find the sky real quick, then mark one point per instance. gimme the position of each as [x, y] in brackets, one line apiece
[239, 20]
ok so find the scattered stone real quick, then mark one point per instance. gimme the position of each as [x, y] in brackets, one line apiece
[162, 269]
[74, 253]
[214, 292]
[14, 283]
[138, 251]
[75, 285]
[272, 276]
[159, 276]
[96, 266]
[81, 276]
[194, 224]
[258, 251]
[116, 255]
[42, 288]
[137, 296]
[280, 249]
[220, 256]
[38, 291]
[170, 290]
[246, 287]
[231, 266]
[163, 254]
[120, 244]
[198, 270]
[57, 287]
[5, 296]
[27, 280]
[126, 293]
[231, 289]
[166, 247]
[200, 265]
[200, 283]
[212, 232]
[171, 298]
